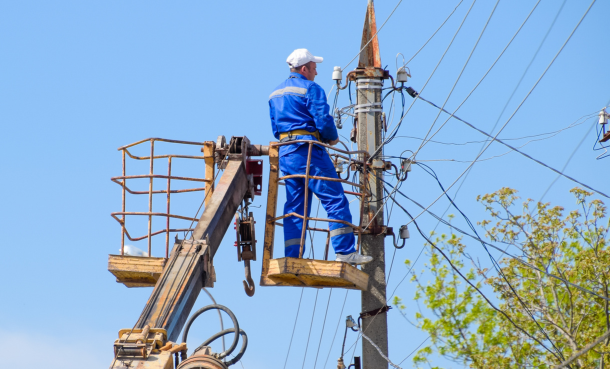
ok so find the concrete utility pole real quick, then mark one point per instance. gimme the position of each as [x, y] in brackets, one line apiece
[369, 81]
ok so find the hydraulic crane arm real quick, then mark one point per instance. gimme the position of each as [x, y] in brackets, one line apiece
[189, 267]
[190, 263]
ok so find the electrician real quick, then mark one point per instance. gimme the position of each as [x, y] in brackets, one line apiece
[299, 111]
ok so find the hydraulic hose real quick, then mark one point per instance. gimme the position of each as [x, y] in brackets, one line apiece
[231, 315]
[244, 344]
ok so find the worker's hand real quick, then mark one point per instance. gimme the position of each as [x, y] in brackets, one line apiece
[334, 142]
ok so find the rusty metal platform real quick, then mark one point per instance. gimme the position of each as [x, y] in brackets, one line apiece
[314, 273]
[136, 271]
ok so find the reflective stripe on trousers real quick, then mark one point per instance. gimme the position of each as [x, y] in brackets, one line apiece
[330, 194]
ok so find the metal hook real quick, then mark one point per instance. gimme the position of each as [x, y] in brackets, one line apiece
[249, 286]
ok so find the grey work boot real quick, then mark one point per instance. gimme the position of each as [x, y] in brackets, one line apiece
[354, 258]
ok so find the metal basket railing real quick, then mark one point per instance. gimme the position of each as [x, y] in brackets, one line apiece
[121, 216]
[336, 153]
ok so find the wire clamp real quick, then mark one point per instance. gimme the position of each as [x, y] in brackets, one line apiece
[372, 313]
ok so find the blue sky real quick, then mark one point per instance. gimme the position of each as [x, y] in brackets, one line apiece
[80, 79]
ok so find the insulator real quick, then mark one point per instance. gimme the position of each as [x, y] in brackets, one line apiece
[339, 167]
[402, 75]
[603, 117]
[337, 74]
[404, 232]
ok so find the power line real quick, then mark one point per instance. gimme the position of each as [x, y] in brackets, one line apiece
[420, 345]
[323, 325]
[514, 91]
[435, 32]
[475, 87]
[495, 138]
[519, 107]
[458, 78]
[294, 328]
[310, 327]
[568, 161]
[336, 329]
[476, 288]
[550, 134]
[499, 249]
[425, 84]
[395, 130]
[493, 260]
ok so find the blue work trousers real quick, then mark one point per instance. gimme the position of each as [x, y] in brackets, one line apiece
[330, 193]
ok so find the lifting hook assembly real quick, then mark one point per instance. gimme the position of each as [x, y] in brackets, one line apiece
[246, 247]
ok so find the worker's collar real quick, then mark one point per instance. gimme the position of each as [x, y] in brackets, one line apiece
[297, 75]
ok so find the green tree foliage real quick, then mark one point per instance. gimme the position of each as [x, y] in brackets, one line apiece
[465, 328]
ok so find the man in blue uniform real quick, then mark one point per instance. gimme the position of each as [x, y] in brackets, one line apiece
[299, 111]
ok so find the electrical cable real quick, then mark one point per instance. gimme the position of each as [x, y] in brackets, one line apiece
[494, 138]
[435, 32]
[477, 289]
[420, 345]
[550, 134]
[323, 325]
[336, 329]
[514, 91]
[519, 107]
[475, 87]
[568, 161]
[585, 290]
[395, 130]
[494, 262]
[310, 327]
[458, 78]
[294, 328]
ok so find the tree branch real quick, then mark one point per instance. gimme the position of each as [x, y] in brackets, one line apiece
[583, 351]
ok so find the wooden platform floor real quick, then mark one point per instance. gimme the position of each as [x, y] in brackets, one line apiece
[314, 273]
[136, 271]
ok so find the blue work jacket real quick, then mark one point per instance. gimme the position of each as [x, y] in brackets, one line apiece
[299, 103]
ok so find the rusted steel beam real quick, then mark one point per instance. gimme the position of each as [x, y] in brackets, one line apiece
[123, 210]
[151, 176]
[163, 156]
[161, 140]
[150, 214]
[156, 233]
[176, 291]
[156, 191]
[323, 179]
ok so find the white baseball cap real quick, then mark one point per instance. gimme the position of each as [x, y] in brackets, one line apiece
[301, 57]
